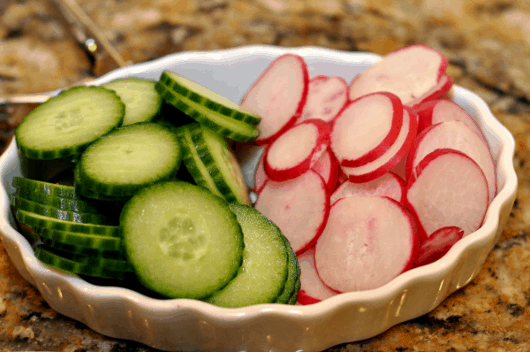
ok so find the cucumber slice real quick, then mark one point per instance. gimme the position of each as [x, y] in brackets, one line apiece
[142, 101]
[65, 125]
[114, 264]
[48, 188]
[183, 241]
[48, 257]
[74, 249]
[262, 276]
[294, 296]
[193, 163]
[293, 278]
[75, 205]
[212, 164]
[46, 210]
[194, 100]
[81, 240]
[35, 220]
[127, 160]
[221, 164]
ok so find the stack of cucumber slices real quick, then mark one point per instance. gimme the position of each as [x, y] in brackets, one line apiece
[151, 192]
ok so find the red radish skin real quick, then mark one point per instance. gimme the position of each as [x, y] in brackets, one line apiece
[328, 167]
[389, 185]
[409, 73]
[367, 242]
[312, 289]
[454, 135]
[366, 128]
[393, 155]
[299, 207]
[448, 189]
[326, 96]
[278, 96]
[443, 110]
[297, 150]
[438, 244]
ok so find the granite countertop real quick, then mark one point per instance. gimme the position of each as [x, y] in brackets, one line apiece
[487, 43]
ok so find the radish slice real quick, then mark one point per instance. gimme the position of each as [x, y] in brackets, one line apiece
[297, 150]
[328, 167]
[278, 96]
[366, 128]
[443, 110]
[439, 91]
[389, 185]
[450, 189]
[260, 177]
[454, 135]
[438, 244]
[409, 73]
[392, 156]
[327, 95]
[299, 207]
[312, 289]
[367, 242]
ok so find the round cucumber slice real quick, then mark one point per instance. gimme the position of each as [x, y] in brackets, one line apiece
[34, 186]
[183, 241]
[47, 256]
[142, 101]
[41, 221]
[293, 278]
[127, 160]
[81, 240]
[262, 276]
[37, 208]
[65, 125]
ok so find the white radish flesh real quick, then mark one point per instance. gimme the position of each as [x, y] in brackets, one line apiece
[297, 150]
[367, 242]
[366, 128]
[450, 189]
[389, 185]
[327, 95]
[312, 289]
[439, 91]
[260, 176]
[392, 156]
[278, 96]
[438, 244]
[454, 135]
[409, 73]
[299, 207]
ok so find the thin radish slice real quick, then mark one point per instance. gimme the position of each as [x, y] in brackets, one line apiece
[438, 243]
[299, 207]
[454, 135]
[367, 242]
[450, 189]
[328, 167]
[327, 95]
[439, 91]
[443, 110]
[409, 73]
[278, 96]
[366, 128]
[297, 150]
[312, 289]
[389, 185]
[393, 155]
[260, 176]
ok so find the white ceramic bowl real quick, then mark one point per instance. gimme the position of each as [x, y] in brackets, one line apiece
[194, 325]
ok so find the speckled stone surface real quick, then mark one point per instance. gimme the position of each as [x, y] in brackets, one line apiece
[487, 43]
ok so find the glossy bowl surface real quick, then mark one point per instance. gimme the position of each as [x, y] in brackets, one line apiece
[188, 325]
